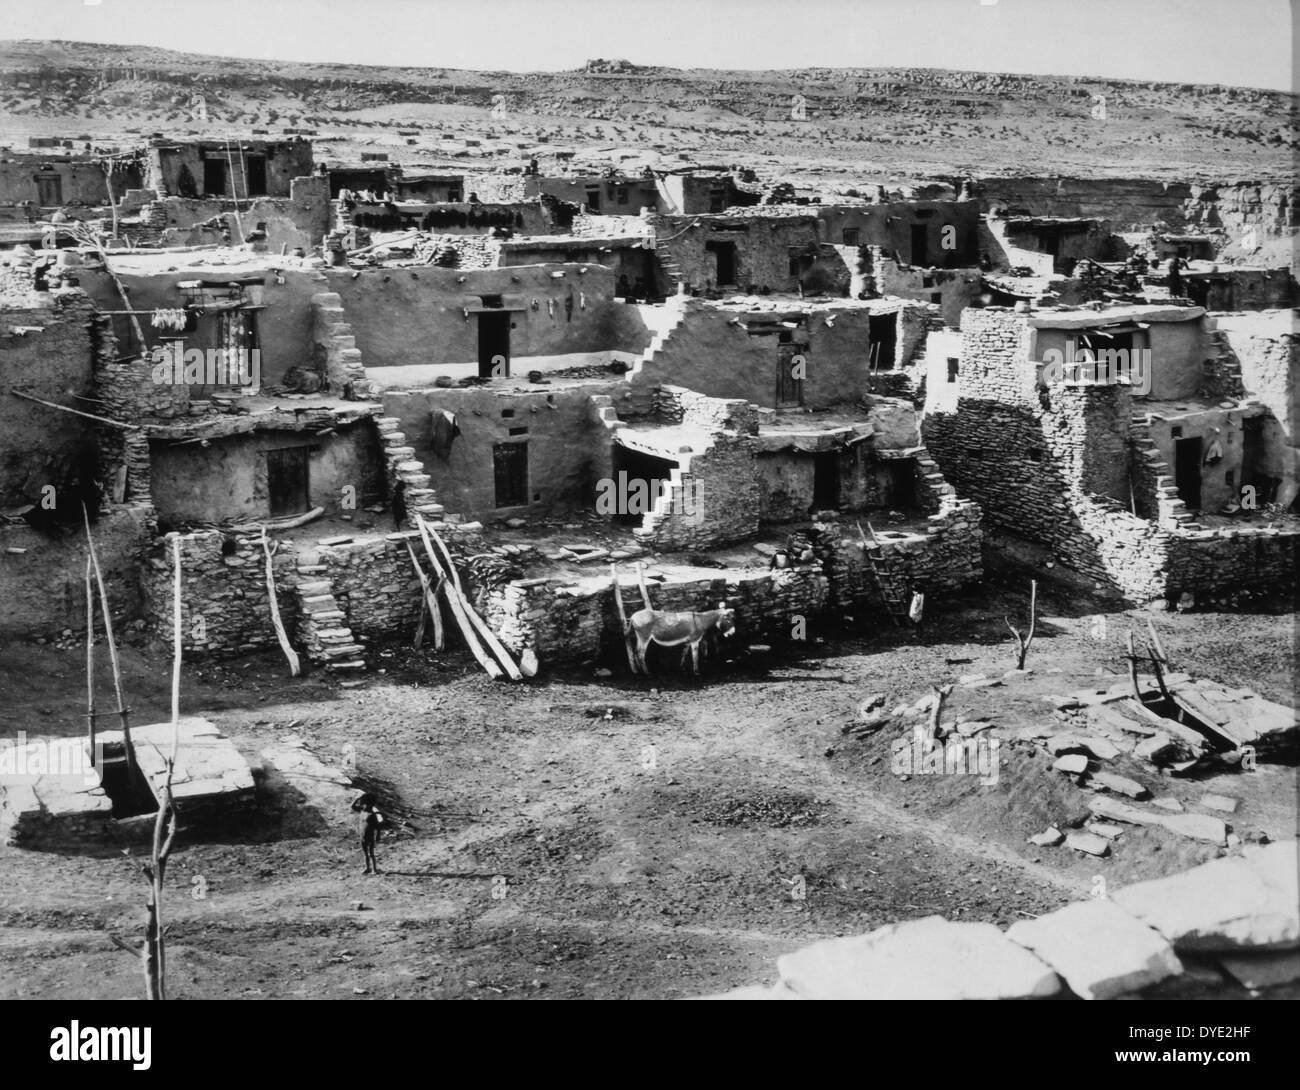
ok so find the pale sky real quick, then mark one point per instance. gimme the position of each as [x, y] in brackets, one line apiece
[1243, 42]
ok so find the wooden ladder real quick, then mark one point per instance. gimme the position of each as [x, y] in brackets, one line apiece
[885, 572]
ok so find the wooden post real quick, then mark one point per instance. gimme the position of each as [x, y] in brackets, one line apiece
[90, 662]
[622, 621]
[1133, 668]
[123, 712]
[640, 578]
[289, 653]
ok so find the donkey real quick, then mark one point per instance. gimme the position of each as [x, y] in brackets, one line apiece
[674, 629]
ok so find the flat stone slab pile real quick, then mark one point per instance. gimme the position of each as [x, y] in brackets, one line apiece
[1238, 916]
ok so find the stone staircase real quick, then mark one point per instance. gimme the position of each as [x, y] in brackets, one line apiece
[672, 269]
[403, 466]
[1171, 512]
[674, 310]
[345, 373]
[322, 627]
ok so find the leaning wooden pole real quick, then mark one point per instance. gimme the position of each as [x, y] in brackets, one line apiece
[455, 600]
[123, 712]
[90, 661]
[430, 603]
[295, 667]
[490, 638]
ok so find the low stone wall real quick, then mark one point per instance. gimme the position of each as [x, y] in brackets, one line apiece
[575, 623]
[224, 604]
[1228, 925]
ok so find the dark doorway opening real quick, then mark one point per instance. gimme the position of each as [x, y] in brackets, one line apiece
[638, 480]
[287, 481]
[1252, 455]
[494, 345]
[826, 481]
[882, 329]
[791, 369]
[1187, 470]
[214, 177]
[131, 795]
[920, 244]
[724, 254]
[593, 200]
[510, 473]
[255, 167]
[896, 483]
[49, 191]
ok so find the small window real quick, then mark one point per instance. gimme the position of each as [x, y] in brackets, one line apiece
[953, 367]
[1230, 478]
[493, 302]
[506, 414]
[1176, 431]
[1035, 455]
[936, 297]
[518, 431]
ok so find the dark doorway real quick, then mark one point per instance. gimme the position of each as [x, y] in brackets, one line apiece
[1252, 457]
[131, 795]
[214, 177]
[494, 344]
[882, 329]
[286, 481]
[510, 472]
[724, 254]
[49, 191]
[826, 481]
[920, 244]
[593, 200]
[791, 368]
[895, 484]
[638, 479]
[255, 166]
[1187, 470]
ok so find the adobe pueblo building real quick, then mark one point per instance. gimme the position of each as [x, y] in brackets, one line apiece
[804, 407]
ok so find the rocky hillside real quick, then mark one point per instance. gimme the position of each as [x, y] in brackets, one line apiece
[902, 123]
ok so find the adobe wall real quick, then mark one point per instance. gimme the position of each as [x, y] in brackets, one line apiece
[889, 226]
[300, 220]
[561, 438]
[53, 360]
[707, 354]
[82, 182]
[227, 479]
[416, 317]
[284, 325]
[43, 587]
[763, 246]
[285, 161]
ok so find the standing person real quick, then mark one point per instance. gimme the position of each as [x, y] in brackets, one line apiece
[1176, 263]
[371, 824]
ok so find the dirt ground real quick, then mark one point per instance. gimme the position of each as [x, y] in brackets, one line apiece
[629, 871]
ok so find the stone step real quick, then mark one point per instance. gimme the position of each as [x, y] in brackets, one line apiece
[421, 495]
[311, 569]
[387, 423]
[403, 455]
[430, 510]
[314, 588]
[327, 616]
[328, 635]
[393, 438]
[343, 650]
[357, 664]
[416, 480]
[319, 603]
[409, 466]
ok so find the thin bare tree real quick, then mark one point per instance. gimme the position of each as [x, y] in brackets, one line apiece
[1023, 641]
